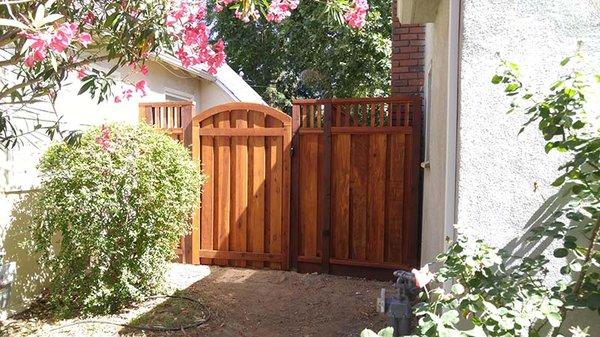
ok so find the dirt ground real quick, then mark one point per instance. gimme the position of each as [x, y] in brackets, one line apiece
[241, 302]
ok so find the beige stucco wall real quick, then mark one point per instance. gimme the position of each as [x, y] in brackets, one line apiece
[503, 180]
[17, 166]
[436, 61]
[503, 183]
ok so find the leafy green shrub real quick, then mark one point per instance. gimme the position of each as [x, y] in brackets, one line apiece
[110, 213]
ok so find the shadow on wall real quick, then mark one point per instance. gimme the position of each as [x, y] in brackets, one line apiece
[30, 277]
[522, 246]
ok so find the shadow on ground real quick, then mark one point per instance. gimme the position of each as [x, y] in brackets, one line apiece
[246, 302]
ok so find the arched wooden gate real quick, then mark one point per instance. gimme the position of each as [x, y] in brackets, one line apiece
[244, 215]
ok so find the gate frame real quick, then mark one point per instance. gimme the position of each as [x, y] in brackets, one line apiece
[286, 121]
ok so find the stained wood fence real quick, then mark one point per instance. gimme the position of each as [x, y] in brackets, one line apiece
[174, 119]
[355, 174]
[334, 188]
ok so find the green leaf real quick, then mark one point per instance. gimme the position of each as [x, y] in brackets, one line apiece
[368, 333]
[578, 125]
[13, 23]
[458, 289]
[512, 87]
[554, 319]
[497, 79]
[565, 61]
[386, 332]
[561, 252]
[559, 181]
[450, 317]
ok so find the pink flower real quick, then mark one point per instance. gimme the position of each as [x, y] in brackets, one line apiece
[423, 276]
[144, 69]
[85, 39]
[81, 73]
[141, 87]
[281, 9]
[104, 139]
[117, 99]
[89, 19]
[357, 14]
[63, 37]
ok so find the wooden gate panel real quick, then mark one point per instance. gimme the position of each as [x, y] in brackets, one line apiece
[368, 224]
[244, 214]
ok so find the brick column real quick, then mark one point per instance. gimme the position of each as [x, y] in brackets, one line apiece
[408, 53]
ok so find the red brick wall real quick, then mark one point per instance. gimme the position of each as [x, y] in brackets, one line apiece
[408, 53]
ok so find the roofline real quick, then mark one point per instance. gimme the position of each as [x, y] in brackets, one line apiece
[197, 71]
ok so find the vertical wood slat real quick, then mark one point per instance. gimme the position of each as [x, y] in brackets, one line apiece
[222, 180]
[326, 181]
[295, 186]
[256, 224]
[208, 194]
[239, 176]
[274, 193]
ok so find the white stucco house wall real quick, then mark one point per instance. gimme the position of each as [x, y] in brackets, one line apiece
[166, 80]
[478, 172]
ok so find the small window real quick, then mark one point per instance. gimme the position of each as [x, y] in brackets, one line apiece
[176, 95]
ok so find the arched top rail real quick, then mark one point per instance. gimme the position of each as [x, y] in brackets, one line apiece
[237, 106]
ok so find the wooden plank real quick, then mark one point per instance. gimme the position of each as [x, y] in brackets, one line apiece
[340, 196]
[308, 194]
[239, 176]
[325, 181]
[363, 263]
[372, 114]
[222, 180]
[359, 173]
[311, 116]
[275, 195]
[295, 187]
[193, 245]
[310, 259]
[395, 199]
[256, 220]
[286, 180]
[246, 256]
[208, 197]
[370, 130]
[376, 207]
[252, 132]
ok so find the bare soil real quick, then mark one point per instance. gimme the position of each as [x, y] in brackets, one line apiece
[241, 302]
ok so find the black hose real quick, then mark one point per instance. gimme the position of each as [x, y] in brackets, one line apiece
[147, 328]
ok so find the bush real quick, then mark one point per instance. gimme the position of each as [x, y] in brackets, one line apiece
[110, 212]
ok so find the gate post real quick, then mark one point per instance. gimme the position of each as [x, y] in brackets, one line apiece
[295, 198]
[325, 178]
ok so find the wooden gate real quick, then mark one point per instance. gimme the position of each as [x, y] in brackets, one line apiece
[355, 174]
[244, 216]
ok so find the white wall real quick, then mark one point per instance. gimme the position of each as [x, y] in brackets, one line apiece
[497, 170]
[436, 59]
[17, 167]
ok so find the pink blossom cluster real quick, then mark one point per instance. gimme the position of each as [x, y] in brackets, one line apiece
[281, 9]
[140, 88]
[356, 16]
[104, 139]
[56, 39]
[220, 4]
[186, 23]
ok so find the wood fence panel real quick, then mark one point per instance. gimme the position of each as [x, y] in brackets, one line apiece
[244, 217]
[372, 179]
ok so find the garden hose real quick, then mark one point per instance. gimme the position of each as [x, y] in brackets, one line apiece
[192, 325]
